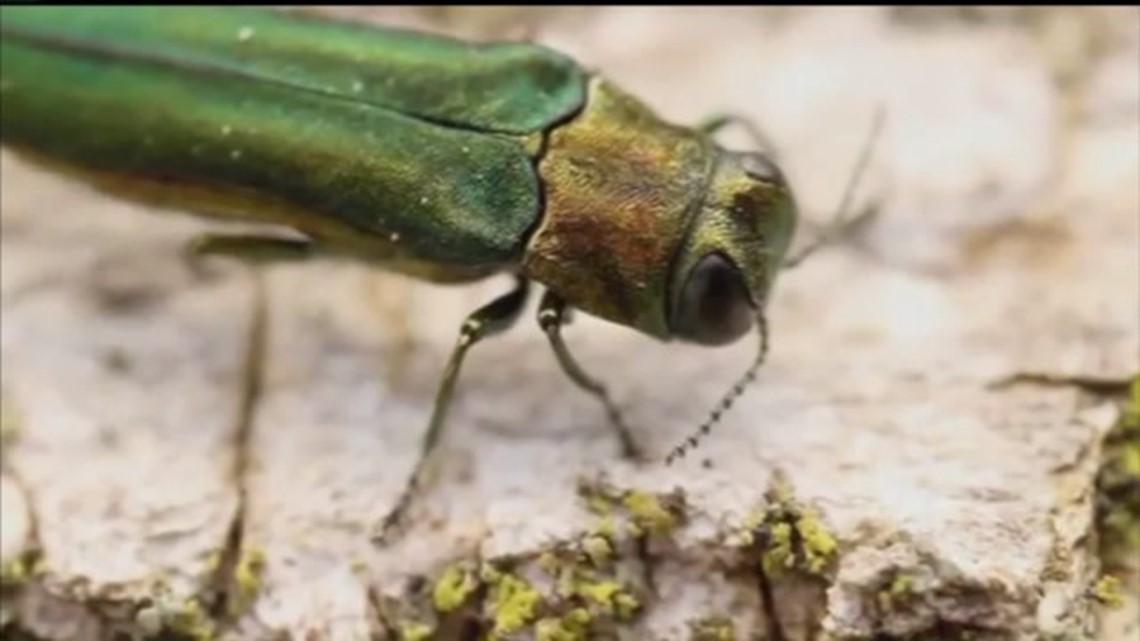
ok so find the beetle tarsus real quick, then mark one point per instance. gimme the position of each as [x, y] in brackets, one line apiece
[492, 318]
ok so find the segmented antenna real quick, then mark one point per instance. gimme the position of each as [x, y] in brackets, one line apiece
[833, 230]
[730, 397]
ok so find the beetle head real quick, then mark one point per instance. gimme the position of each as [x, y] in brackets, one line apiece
[733, 251]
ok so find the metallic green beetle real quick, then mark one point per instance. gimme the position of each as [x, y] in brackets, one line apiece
[437, 158]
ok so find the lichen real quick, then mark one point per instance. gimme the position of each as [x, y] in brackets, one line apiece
[606, 527]
[819, 545]
[779, 555]
[1107, 591]
[10, 422]
[454, 587]
[513, 603]
[648, 512]
[712, 628]
[644, 513]
[165, 613]
[15, 572]
[213, 561]
[572, 626]
[598, 549]
[789, 537]
[248, 572]
[607, 597]
[1118, 483]
[415, 631]
[898, 590]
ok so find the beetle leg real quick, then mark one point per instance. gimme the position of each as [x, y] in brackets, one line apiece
[492, 318]
[838, 229]
[840, 226]
[717, 122]
[552, 315]
[251, 249]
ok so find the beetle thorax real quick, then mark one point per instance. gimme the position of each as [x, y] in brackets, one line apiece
[621, 187]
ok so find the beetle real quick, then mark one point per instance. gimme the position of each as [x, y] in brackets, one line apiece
[444, 160]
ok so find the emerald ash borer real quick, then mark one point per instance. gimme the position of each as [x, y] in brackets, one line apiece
[440, 159]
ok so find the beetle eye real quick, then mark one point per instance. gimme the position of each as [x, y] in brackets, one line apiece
[715, 306]
[760, 167]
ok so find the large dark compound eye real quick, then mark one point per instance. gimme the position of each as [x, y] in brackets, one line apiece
[715, 306]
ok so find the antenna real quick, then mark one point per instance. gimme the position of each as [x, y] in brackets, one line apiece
[729, 398]
[839, 223]
[832, 231]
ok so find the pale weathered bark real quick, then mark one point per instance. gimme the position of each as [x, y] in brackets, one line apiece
[145, 485]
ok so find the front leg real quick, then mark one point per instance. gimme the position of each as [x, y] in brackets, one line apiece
[552, 314]
[493, 318]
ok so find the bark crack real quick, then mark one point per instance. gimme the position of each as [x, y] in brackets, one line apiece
[228, 600]
[768, 601]
[1102, 385]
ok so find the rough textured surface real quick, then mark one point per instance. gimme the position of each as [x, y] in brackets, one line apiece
[877, 480]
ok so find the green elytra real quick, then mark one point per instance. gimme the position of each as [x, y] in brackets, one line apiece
[285, 112]
[441, 159]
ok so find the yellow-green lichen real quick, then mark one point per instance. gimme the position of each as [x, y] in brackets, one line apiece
[247, 578]
[598, 549]
[607, 597]
[513, 603]
[572, 626]
[818, 544]
[598, 505]
[789, 537]
[1118, 502]
[778, 555]
[1107, 591]
[9, 422]
[213, 561]
[644, 513]
[896, 592]
[648, 512]
[454, 587]
[606, 527]
[548, 562]
[713, 628]
[165, 613]
[15, 572]
[14, 575]
[415, 631]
